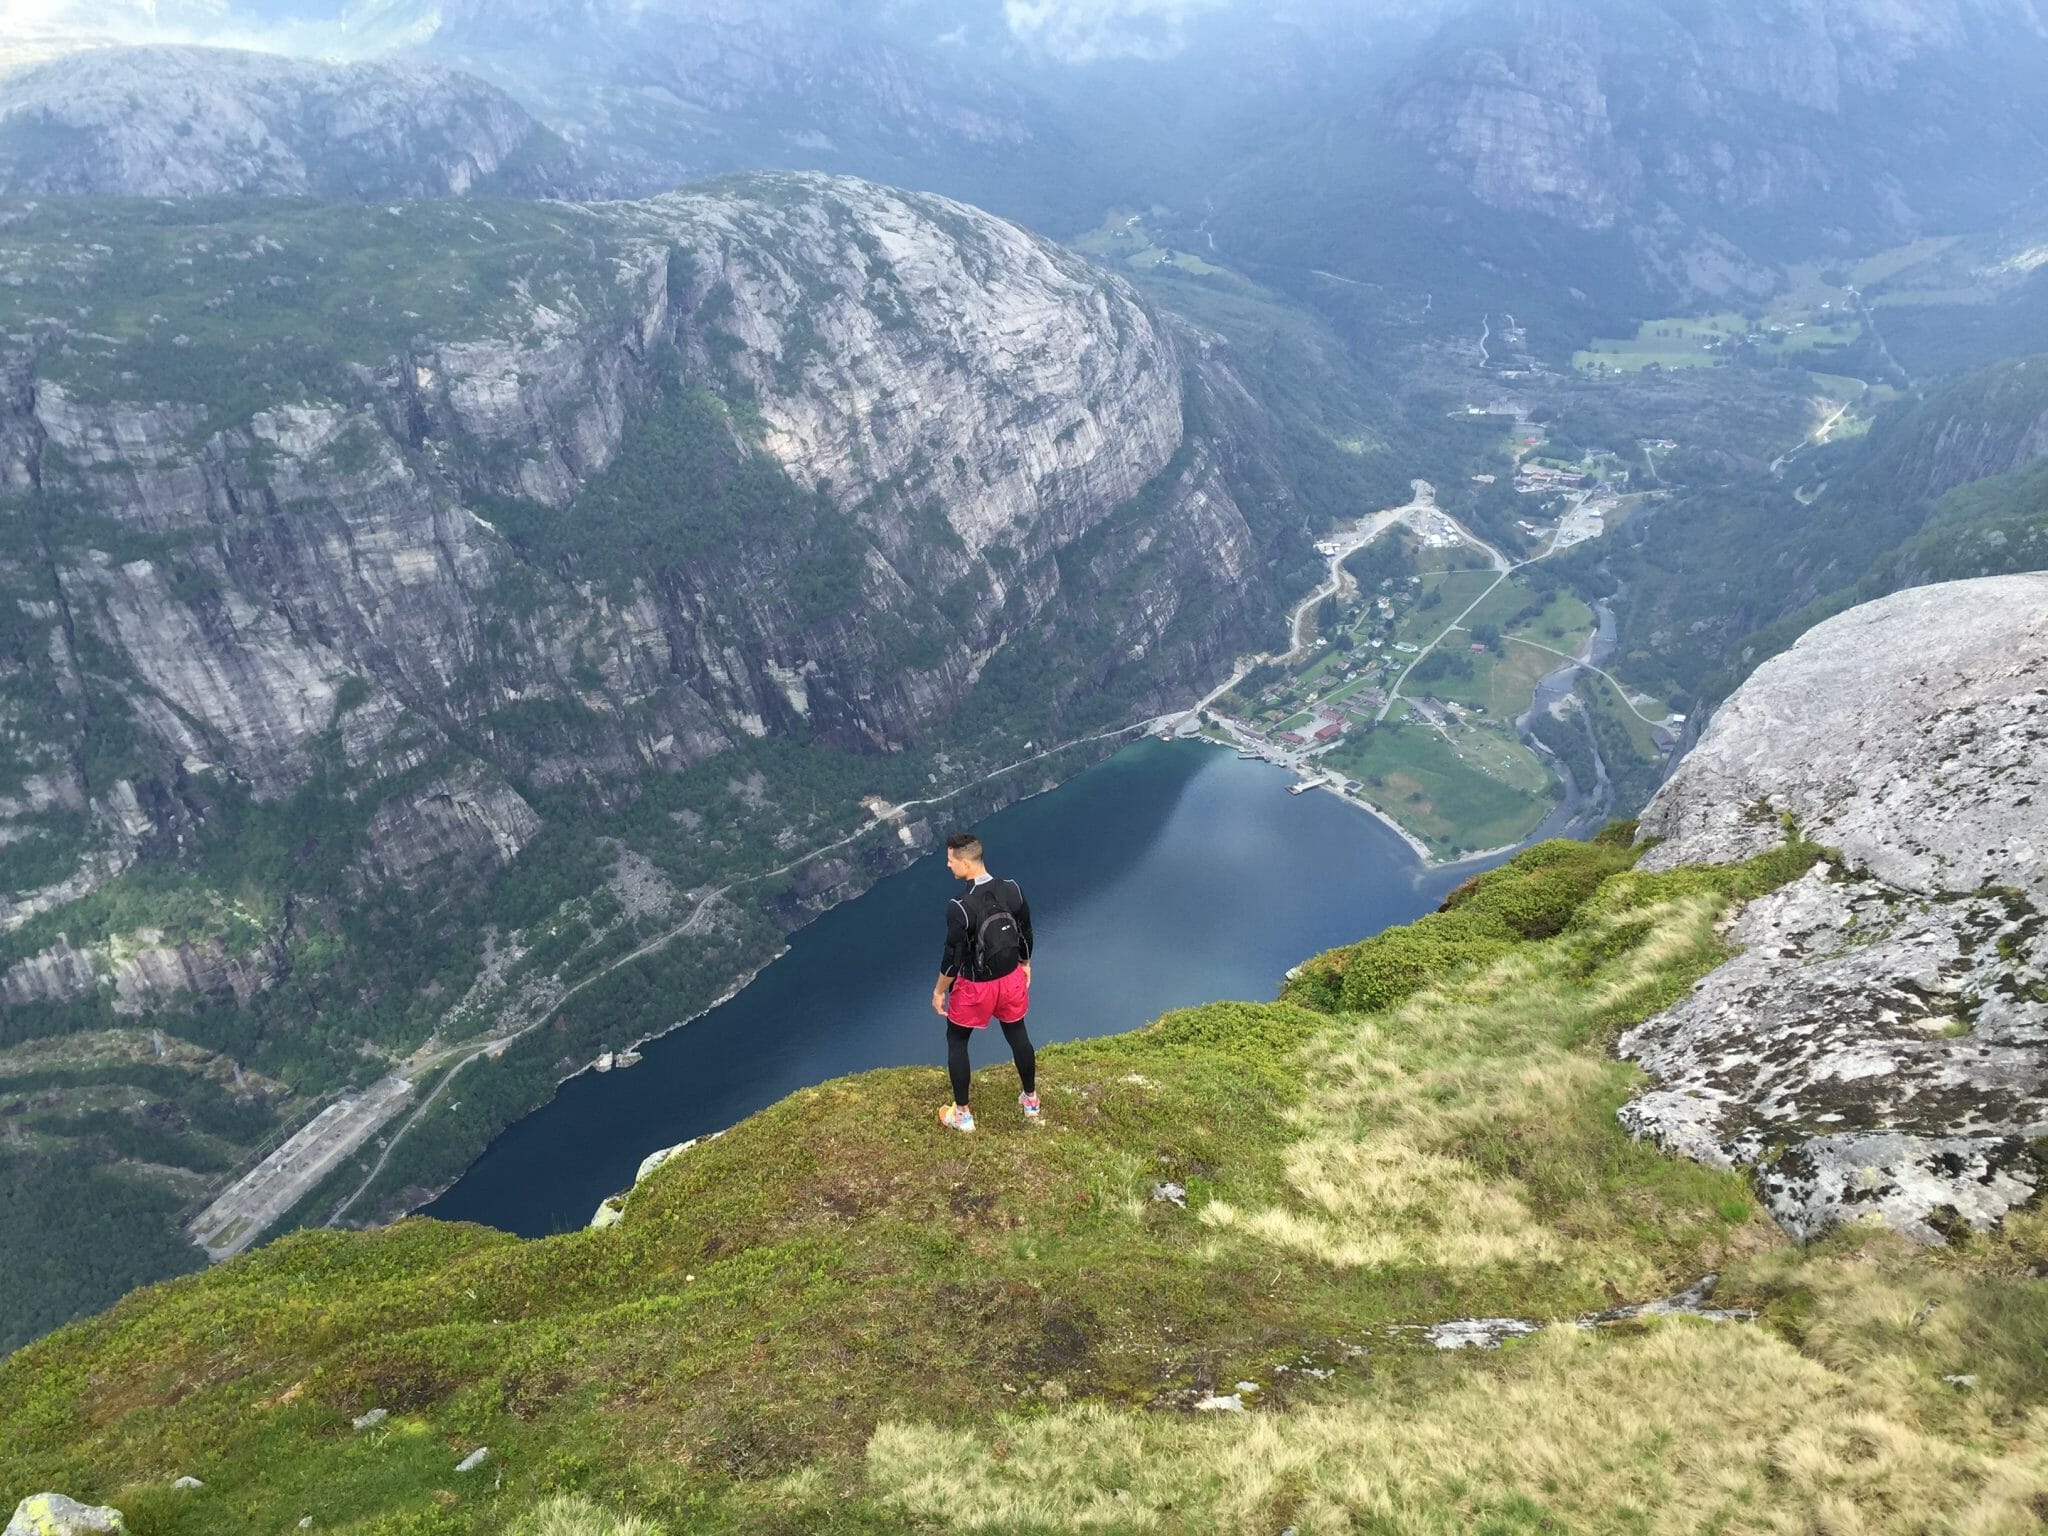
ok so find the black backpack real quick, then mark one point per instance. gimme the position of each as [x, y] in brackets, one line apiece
[998, 942]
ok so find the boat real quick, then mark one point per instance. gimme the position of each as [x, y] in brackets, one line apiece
[603, 1063]
[1247, 757]
[1303, 787]
[626, 1059]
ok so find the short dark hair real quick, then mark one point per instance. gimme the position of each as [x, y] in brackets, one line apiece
[966, 844]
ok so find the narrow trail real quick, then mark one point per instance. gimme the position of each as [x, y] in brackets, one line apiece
[1588, 666]
[1503, 565]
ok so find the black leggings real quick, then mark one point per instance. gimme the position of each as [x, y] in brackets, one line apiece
[957, 1036]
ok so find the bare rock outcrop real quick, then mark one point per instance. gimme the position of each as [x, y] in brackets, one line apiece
[1880, 1044]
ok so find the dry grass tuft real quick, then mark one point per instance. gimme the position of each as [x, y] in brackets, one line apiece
[1466, 1127]
[1687, 1427]
[569, 1514]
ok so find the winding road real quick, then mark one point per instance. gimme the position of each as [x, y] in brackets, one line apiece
[1589, 667]
[1299, 640]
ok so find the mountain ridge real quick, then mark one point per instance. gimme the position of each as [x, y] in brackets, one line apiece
[354, 618]
[197, 122]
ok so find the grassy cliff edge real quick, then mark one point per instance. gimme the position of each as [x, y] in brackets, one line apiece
[838, 1318]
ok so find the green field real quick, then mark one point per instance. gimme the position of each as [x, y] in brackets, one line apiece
[1681, 342]
[1675, 342]
[1420, 625]
[1123, 238]
[1502, 683]
[1483, 790]
[1918, 255]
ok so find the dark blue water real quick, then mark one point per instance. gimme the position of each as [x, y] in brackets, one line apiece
[1171, 874]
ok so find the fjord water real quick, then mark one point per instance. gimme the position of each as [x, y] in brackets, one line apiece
[1172, 874]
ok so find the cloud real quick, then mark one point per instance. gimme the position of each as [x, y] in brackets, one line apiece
[1087, 31]
[35, 29]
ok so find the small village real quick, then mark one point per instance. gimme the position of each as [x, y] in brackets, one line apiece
[1429, 645]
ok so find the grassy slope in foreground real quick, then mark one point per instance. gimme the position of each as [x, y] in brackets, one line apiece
[836, 1318]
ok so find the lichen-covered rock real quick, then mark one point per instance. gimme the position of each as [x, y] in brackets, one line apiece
[52, 1514]
[1869, 1051]
[1879, 1046]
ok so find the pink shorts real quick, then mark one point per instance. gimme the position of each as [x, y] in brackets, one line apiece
[971, 1004]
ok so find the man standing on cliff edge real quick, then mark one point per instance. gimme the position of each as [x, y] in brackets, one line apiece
[984, 974]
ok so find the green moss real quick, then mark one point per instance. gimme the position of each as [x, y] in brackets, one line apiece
[1533, 896]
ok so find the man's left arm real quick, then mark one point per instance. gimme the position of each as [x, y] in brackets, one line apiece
[951, 959]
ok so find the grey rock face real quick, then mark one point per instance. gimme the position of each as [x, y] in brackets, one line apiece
[665, 91]
[1528, 130]
[1879, 1047]
[195, 122]
[1910, 733]
[1870, 1052]
[461, 816]
[1585, 112]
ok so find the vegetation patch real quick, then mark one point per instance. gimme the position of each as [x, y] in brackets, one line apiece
[838, 1317]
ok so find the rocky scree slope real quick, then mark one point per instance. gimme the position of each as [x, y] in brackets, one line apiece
[201, 122]
[374, 578]
[1880, 1044]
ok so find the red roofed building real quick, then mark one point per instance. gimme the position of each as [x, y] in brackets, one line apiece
[1294, 739]
[1331, 731]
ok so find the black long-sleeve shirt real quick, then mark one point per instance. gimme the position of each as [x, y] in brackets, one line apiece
[959, 957]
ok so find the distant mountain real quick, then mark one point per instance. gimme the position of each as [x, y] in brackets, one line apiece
[1788, 127]
[668, 90]
[1496, 153]
[191, 122]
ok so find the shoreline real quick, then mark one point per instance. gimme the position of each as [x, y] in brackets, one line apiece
[414, 1207]
[1428, 862]
[1423, 500]
[731, 992]
[896, 816]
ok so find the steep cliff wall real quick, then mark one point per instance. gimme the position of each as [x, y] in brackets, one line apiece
[1736, 115]
[942, 406]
